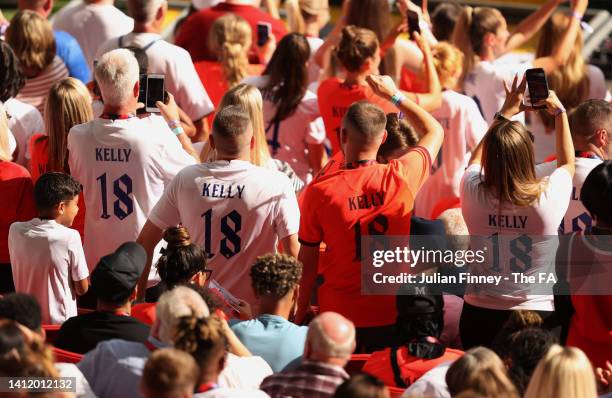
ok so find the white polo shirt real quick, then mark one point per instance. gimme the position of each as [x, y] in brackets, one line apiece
[46, 257]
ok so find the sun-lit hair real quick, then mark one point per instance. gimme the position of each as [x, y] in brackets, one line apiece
[68, 104]
[143, 11]
[469, 33]
[448, 60]
[565, 372]
[508, 163]
[174, 304]
[116, 73]
[31, 38]
[570, 80]
[5, 150]
[230, 39]
[356, 46]
[301, 11]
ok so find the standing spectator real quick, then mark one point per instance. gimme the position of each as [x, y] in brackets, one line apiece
[164, 58]
[123, 171]
[193, 34]
[31, 37]
[24, 120]
[591, 128]
[169, 373]
[47, 257]
[334, 204]
[113, 282]
[16, 201]
[362, 386]
[565, 372]
[68, 49]
[275, 279]
[500, 184]
[234, 209]
[294, 128]
[92, 23]
[329, 344]
[443, 20]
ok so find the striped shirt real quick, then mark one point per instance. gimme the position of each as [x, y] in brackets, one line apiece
[309, 380]
[37, 88]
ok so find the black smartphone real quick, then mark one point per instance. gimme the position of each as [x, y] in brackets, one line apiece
[263, 33]
[413, 23]
[537, 85]
[142, 92]
[155, 91]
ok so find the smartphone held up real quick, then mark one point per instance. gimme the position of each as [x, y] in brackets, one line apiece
[537, 86]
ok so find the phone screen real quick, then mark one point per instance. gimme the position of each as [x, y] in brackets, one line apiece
[263, 32]
[413, 22]
[155, 91]
[537, 84]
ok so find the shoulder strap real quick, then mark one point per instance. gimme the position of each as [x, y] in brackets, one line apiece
[397, 373]
[145, 48]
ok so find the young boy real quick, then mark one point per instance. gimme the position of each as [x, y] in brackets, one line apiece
[46, 255]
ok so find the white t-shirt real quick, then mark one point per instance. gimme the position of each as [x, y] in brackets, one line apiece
[314, 71]
[431, 385]
[243, 372]
[83, 389]
[12, 142]
[530, 253]
[124, 166]
[24, 122]
[92, 24]
[46, 257]
[175, 63]
[464, 127]
[236, 211]
[485, 84]
[544, 144]
[305, 126]
[577, 218]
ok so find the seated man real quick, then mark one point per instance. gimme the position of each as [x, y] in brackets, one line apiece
[329, 344]
[275, 279]
[113, 282]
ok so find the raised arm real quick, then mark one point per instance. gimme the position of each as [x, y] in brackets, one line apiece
[564, 145]
[432, 99]
[532, 24]
[426, 125]
[333, 38]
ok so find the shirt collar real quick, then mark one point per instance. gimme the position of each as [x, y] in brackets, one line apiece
[324, 368]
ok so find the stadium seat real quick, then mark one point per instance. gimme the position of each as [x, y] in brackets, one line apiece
[355, 364]
[51, 332]
[66, 356]
[395, 392]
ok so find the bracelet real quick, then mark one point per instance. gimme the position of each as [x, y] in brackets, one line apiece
[178, 130]
[577, 16]
[397, 98]
[174, 123]
[559, 111]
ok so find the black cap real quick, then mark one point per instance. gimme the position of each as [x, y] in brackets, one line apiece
[117, 274]
[411, 305]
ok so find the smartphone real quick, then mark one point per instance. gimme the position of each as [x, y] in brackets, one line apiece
[413, 22]
[155, 91]
[142, 92]
[537, 85]
[263, 33]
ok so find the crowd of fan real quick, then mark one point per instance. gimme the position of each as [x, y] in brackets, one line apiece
[212, 248]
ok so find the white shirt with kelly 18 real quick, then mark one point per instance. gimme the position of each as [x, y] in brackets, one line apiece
[46, 257]
[124, 166]
[529, 250]
[236, 211]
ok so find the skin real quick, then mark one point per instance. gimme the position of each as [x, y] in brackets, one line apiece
[338, 329]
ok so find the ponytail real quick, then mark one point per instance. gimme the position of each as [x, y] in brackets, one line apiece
[461, 40]
[230, 39]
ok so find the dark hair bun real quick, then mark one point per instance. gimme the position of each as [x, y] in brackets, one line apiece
[177, 237]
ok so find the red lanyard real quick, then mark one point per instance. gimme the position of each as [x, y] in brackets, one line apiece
[150, 346]
[207, 387]
[116, 116]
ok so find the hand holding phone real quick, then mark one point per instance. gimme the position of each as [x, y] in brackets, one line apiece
[264, 29]
[537, 86]
[413, 22]
[155, 91]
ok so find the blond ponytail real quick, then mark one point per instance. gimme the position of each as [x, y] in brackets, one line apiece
[230, 40]
[461, 40]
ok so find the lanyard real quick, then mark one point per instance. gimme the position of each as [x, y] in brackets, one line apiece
[207, 387]
[150, 346]
[586, 154]
[359, 163]
[116, 116]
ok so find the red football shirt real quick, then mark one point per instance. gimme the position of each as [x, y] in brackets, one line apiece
[193, 34]
[335, 98]
[341, 206]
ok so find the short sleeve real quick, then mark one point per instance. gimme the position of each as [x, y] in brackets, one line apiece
[287, 218]
[191, 95]
[315, 133]
[558, 193]
[470, 183]
[413, 167]
[173, 159]
[166, 213]
[78, 265]
[310, 233]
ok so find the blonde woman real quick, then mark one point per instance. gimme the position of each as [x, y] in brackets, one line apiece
[31, 38]
[575, 81]
[463, 126]
[249, 97]
[68, 104]
[565, 372]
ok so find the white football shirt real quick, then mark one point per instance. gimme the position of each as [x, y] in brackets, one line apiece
[485, 84]
[46, 257]
[236, 211]
[577, 218]
[305, 126]
[532, 252]
[24, 122]
[124, 166]
[175, 63]
[464, 127]
[92, 24]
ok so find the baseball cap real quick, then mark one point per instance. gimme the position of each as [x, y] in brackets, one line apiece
[410, 305]
[117, 274]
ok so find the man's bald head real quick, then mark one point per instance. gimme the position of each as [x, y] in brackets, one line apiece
[330, 338]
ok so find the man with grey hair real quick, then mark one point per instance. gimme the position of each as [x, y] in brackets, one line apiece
[329, 344]
[175, 63]
[123, 162]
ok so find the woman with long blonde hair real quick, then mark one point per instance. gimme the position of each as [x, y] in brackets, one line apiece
[574, 81]
[565, 372]
[503, 200]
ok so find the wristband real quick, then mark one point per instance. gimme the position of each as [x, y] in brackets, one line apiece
[174, 123]
[178, 130]
[397, 98]
[577, 16]
[559, 111]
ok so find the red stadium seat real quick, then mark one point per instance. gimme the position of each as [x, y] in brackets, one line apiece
[355, 364]
[51, 332]
[395, 392]
[66, 356]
